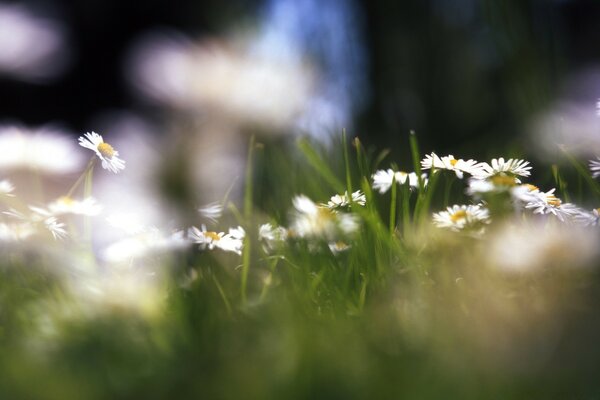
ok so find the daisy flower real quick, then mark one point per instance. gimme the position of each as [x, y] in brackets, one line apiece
[211, 211]
[311, 221]
[6, 188]
[595, 167]
[343, 200]
[104, 151]
[461, 217]
[16, 232]
[547, 203]
[57, 229]
[67, 205]
[508, 167]
[494, 184]
[40, 217]
[382, 179]
[44, 150]
[588, 218]
[225, 241]
[271, 237]
[151, 242]
[450, 163]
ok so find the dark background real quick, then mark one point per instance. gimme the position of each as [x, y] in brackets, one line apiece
[464, 74]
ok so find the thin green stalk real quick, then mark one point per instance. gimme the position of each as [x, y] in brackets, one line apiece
[222, 293]
[347, 166]
[393, 207]
[406, 207]
[87, 192]
[82, 176]
[247, 218]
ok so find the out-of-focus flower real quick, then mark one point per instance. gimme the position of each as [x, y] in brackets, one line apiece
[526, 247]
[44, 150]
[40, 217]
[547, 203]
[67, 205]
[338, 247]
[382, 179]
[272, 237]
[508, 167]
[462, 217]
[448, 162]
[130, 224]
[6, 188]
[212, 211]
[16, 232]
[149, 243]
[343, 200]
[104, 151]
[224, 79]
[595, 167]
[56, 228]
[224, 241]
[497, 183]
[587, 218]
[569, 125]
[311, 221]
[32, 48]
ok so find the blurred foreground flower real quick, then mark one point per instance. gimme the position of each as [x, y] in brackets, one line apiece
[311, 221]
[524, 247]
[43, 150]
[32, 48]
[225, 79]
[383, 179]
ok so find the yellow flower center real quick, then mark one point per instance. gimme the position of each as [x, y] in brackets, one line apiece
[66, 200]
[531, 187]
[106, 150]
[503, 180]
[460, 214]
[453, 162]
[212, 235]
[553, 200]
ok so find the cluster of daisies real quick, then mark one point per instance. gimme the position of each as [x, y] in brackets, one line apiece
[501, 179]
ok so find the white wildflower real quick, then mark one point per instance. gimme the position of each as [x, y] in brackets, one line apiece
[459, 166]
[529, 247]
[104, 151]
[382, 179]
[595, 167]
[272, 237]
[461, 217]
[149, 243]
[56, 228]
[547, 203]
[42, 150]
[67, 205]
[221, 240]
[312, 221]
[343, 200]
[6, 188]
[508, 167]
[211, 211]
[587, 218]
